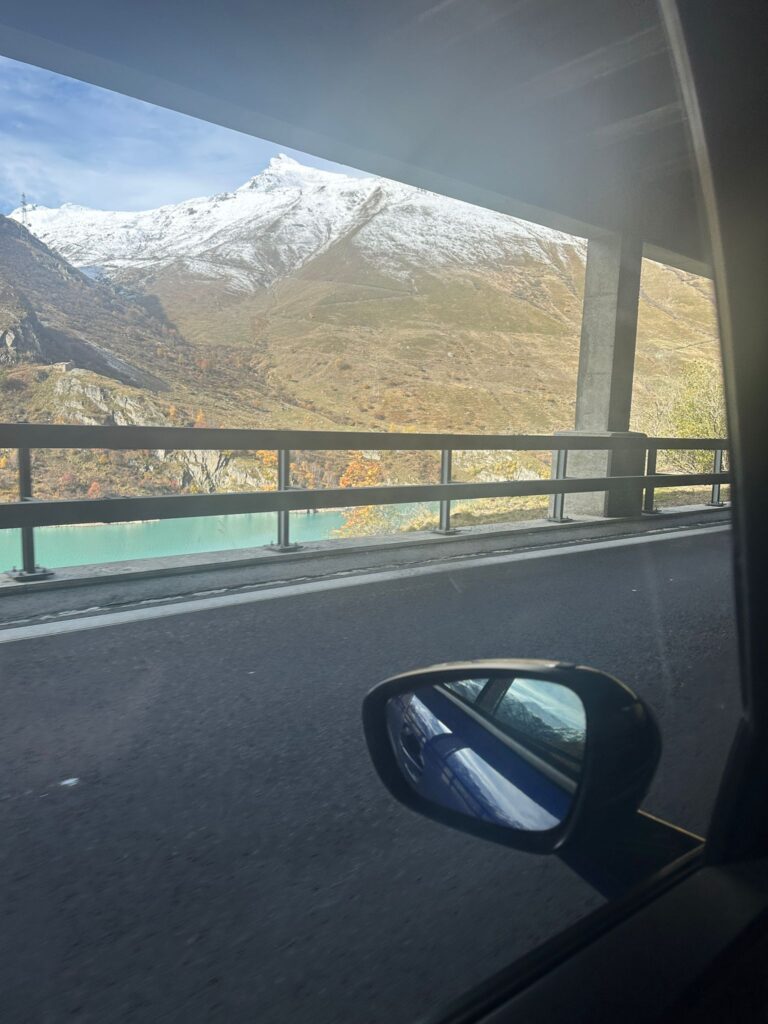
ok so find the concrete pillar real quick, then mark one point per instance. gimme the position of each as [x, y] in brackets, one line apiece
[606, 374]
[608, 335]
[629, 460]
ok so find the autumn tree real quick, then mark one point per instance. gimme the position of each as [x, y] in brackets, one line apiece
[368, 520]
[266, 460]
[94, 491]
[362, 471]
[8, 482]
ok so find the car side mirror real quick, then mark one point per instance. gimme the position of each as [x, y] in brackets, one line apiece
[530, 754]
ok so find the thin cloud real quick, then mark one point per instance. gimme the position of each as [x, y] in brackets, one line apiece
[63, 141]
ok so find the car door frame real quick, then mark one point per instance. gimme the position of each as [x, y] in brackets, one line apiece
[637, 957]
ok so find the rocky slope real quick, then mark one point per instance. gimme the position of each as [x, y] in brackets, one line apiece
[51, 312]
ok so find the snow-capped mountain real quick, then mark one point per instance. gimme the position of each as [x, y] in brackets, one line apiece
[286, 216]
[318, 299]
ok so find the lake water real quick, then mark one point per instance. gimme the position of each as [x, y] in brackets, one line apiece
[58, 546]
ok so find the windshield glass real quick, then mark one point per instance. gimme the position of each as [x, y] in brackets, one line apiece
[276, 428]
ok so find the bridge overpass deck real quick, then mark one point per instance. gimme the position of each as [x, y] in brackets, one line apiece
[125, 584]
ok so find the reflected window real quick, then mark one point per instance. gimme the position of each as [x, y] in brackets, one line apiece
[548, 717]
[468, 689]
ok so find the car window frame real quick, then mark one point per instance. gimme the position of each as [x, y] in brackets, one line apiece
[735, 210]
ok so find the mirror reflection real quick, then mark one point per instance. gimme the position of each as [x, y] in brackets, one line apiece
[506, 751]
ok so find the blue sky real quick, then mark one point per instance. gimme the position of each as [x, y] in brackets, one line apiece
[62, 141]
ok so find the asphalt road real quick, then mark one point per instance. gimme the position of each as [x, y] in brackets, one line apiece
[228, 855]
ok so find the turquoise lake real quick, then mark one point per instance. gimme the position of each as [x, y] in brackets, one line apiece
[58, 546]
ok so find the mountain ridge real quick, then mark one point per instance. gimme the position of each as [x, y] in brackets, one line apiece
[292, 213]
[311, 297]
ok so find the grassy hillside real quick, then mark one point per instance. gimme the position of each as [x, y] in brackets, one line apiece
[483, 349]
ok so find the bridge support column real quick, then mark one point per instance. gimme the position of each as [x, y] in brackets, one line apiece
[606, 375]
[623, 460]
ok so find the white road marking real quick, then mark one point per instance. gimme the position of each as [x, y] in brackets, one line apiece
[142, 614]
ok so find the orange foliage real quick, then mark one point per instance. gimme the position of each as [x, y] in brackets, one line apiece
[94, 491]
[362, 472]
[267, 457]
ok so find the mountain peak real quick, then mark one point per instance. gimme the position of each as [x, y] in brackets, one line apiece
[283, 162]
[283, 171]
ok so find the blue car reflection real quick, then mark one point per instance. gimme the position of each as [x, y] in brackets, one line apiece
[453, 751]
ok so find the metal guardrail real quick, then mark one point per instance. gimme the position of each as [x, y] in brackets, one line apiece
[27, 513]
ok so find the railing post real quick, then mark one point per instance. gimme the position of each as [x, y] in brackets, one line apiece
[25, 493]
[649, 507]
[717, 467]
[283, 515]
[29, 571]
[559, 470]
[446, 466]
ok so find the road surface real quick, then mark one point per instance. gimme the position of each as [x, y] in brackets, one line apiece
[222, 850]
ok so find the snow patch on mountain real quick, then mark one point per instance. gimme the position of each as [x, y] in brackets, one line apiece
[276, 222]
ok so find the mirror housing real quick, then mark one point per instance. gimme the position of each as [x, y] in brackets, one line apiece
[617, 758]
